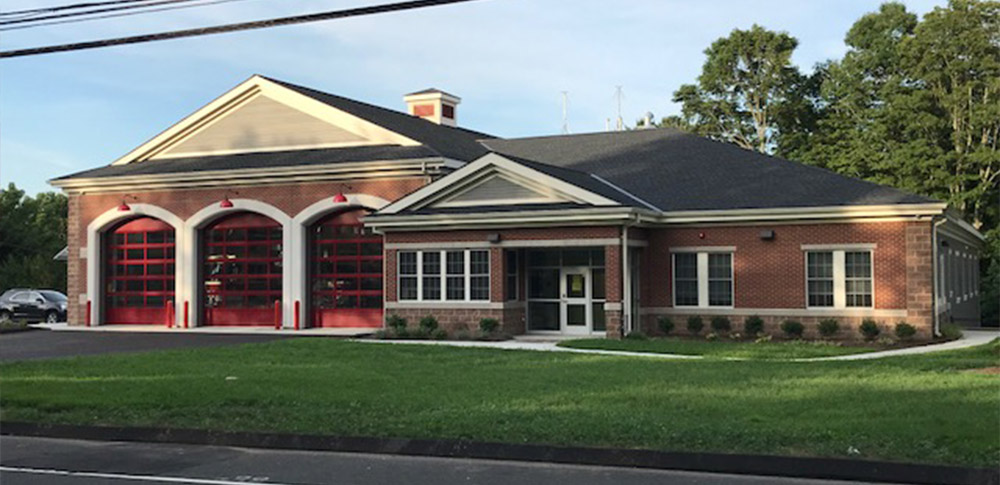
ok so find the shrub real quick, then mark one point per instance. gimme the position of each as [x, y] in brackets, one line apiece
[400, 332]
[753, 325]
[711, 336]
[666, 325]
[763, 338]
[905, 331]
[428, 324]
[380, 334]
[828, 327]
[736, 336]
[869, 329]
[721, 324]
[489, 325]
[950, 331]
[636, 336]
[439, 334]
[695, 325]
[463, 335]
[886, 341]
[395, 322]
[792, 328]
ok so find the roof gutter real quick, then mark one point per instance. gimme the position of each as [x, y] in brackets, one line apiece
[294, 173]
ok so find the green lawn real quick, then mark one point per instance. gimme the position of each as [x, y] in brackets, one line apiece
[912, 408]
[723, 349]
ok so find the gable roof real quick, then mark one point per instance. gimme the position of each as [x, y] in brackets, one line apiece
[677, 171]
[451, 142]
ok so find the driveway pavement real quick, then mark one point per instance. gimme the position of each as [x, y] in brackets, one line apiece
[50, 461]
[44, 344]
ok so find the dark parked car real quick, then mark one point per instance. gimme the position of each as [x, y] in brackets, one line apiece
[33, 305]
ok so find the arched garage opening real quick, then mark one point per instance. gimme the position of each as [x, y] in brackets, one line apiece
[345, 272]
[139, 272]
[241, 270]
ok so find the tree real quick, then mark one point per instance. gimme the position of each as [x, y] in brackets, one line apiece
[747, 89]
[32, 231]
[954, 55]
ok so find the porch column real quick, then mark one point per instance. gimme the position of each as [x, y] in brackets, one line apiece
[613, 287]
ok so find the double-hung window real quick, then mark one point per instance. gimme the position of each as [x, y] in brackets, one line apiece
[839, 278]
[703, 278]
[453, 275]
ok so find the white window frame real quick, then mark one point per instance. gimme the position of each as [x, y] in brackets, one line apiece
[839, 273]
[703, 286]
[443, 275]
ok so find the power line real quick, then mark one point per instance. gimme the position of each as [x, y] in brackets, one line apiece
[91, 12]
[71, 7]
[205, 3]
[258, 24]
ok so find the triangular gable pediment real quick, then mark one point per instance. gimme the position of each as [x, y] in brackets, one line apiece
[261, 115]
[494, 180]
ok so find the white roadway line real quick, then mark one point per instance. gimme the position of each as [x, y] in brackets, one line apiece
[140, 478]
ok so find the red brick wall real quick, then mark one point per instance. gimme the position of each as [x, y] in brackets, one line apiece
[771, 274]
[290, 198]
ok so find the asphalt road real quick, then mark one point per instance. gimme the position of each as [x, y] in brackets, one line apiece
[45, 344]
[48, 461]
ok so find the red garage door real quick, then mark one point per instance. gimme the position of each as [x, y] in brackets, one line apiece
[345, 272]
[139, 272]
[242, 270]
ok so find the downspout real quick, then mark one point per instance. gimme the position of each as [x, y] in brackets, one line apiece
[936, 315]
[625, 283]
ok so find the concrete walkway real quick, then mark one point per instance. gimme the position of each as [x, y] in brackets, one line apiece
[971, 338]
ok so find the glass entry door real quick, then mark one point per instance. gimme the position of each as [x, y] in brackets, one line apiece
[576, 317]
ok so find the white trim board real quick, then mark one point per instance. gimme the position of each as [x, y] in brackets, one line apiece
[486, 166]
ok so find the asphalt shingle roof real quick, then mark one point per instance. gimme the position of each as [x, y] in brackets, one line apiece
[451, 142]
[677, 171]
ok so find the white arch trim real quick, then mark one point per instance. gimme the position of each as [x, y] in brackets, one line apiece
[310, 215]
[95, 251]
[187, 289]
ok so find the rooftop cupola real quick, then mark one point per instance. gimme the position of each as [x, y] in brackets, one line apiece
[433, 105]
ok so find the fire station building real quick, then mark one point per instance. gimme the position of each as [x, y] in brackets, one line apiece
[277, 205]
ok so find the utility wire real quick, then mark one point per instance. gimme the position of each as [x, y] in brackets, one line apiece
[258, 24]
[91, 12]
[205, 3]
[70, 7]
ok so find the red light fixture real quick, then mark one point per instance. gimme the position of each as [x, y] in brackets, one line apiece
[124, 207]
[226, 203]
[340, 198]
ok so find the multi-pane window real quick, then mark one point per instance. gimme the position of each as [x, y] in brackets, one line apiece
[819, 278]
[459, 275]
[479, 275]
[686, 279]
[858, 278]
[431, 276]
[839, 279]
[720, 279]
[456, 275]
[407, 276]
[703, 279]
[511, 275]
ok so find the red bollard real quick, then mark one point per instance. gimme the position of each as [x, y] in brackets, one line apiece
[185, 314]
[88, 313]
[169, 313]
[296, 314]
[277, 315]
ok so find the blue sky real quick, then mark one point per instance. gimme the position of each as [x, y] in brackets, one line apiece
[509, 60]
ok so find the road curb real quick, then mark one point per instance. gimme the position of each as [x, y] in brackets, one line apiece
[800, 467]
